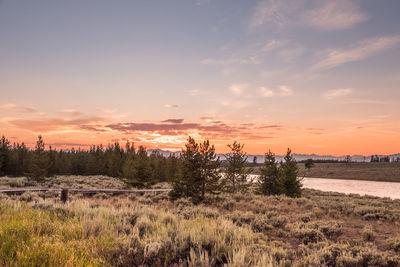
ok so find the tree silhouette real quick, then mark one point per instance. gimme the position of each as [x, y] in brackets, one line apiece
[236, 172]
[308, 164]
[200, 172]
[288, 172]
[268, 183]
[40, 161]
[4, 155]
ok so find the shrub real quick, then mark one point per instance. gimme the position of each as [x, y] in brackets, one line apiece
[305, 218]
[278, 221]
[368, 234]
[394, 244]
[307, 233]
[260, 224]
[241, 218]
[331, 230]
[228, 204]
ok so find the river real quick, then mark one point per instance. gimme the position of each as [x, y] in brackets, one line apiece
[372, 188]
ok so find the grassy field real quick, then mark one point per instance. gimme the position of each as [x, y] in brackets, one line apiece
[372, 171]
[228, 230]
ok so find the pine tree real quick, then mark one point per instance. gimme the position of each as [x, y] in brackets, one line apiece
[128, 169]
[255, 161]
[236, 172]
[143, 171]
[4, 155]
[188, 184]
[200, 172]
[174, 168]
[269, 183]
[114, 160]
[308, 164]
[211, 175]
[288, 172]
[40, 162]
[137, 169]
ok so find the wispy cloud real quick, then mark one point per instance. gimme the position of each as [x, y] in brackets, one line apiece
[238, 89]
[207, 118]
[194, 92]
[364, 49]
[45, 124]
[290, 54]
[282, 90]
[173, 121]
[17, 108]
[6, 106]
[170, 106]
[334, 15]
[71, 112]
[215, 129]
[248, 54]
[285, 90]
[338, 93]
[266, 92]
[326, 15]
[271, 45]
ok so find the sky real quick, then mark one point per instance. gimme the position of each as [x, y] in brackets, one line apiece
[316, 76]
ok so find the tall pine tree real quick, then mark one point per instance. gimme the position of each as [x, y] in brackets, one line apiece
[40, 164]
[236, 173]
[290, 181]
[200, 172]
[269, 183]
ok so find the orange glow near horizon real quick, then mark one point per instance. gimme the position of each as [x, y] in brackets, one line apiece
[258, 139]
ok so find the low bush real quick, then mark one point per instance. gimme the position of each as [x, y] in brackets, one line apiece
[394, 244]
[368, 234]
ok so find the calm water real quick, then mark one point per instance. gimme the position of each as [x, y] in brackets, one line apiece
[378, 189]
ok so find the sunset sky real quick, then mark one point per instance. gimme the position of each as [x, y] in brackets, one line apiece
[316, 76]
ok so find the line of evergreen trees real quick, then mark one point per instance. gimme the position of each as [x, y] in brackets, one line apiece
[202, 173]
[196, 173]
[134, 166]
[376, 158]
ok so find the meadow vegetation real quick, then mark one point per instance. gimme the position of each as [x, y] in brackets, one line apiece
[317, 229]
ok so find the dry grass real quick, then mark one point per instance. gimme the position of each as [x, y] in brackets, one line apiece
[317, 229]
[65, 181]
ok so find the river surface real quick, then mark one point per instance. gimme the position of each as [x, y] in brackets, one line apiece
[378, 189]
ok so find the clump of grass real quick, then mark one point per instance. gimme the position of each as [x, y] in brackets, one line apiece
[305, 218]
[29, 196]
[394, 244]
[368, 234]
[308, 235]
[325, 254]
[228, 204]
[261, 224]
[242, 218]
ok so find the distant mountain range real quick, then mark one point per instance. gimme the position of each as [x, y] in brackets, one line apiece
[298, 157]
